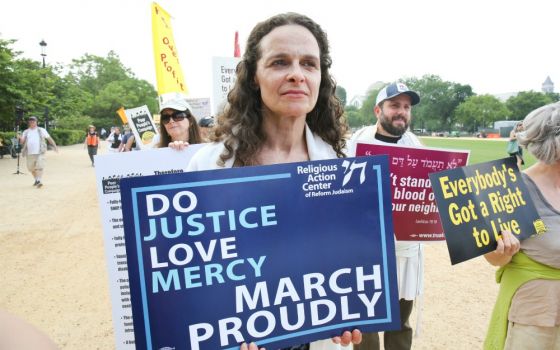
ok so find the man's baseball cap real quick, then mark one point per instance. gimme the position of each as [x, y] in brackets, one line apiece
[32, 118]
[178, 104]
[396, 89]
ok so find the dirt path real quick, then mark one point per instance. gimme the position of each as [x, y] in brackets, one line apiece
[54, 273]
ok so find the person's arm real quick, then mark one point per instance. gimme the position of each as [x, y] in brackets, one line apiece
[508, 246]
[122, 146]
[15, 333]
[129, 143]
[513, 135]
[51, 141]
[22, 138]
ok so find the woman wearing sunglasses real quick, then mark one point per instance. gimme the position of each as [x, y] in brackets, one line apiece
[177, 124]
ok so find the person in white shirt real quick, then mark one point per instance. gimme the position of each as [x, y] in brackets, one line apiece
[393, 109]
[282, 109]
[34, 140]
[114, 140]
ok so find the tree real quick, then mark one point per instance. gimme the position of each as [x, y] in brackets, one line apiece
[438, 100]
[480, 111]
[24, 83]
[95, 72]
[554, 96]
[367, 116]
[71, 101]
[110, 85]
[10, 95]
[355, 118]
[35, 85]
[526, 101]
[91, 89]
[340, 92]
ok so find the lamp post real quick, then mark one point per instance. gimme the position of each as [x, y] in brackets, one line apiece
[43, 45]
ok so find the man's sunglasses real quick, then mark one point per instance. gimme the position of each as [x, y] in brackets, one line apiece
[177, 117]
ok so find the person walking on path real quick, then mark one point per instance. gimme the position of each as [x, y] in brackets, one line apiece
[34, 149]
[92, 143]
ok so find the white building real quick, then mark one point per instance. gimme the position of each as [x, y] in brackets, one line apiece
[357, 101]
[548, 85]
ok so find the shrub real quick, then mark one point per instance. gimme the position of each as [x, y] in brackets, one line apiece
[6, 137]
[74, 122]
[67, 137]
[60, 136]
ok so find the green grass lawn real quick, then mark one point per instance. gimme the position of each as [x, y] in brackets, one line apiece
[481, 150]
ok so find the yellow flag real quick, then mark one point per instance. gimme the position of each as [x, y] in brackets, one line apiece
[122, 115]
[169, 74]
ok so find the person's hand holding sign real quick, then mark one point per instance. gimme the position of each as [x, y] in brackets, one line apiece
[251, 346]
[508, 246]
[349, 338]
[178, 145]
[345, 339]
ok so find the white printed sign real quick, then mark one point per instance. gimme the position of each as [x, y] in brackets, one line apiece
[109, 169]
[223, 77]
[200, 107]
[142, 126]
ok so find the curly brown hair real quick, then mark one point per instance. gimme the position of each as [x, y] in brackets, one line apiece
[240, 124]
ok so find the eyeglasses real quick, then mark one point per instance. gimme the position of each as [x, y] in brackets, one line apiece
[177, 117]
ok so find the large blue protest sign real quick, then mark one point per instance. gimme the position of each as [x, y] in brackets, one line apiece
[280, 255]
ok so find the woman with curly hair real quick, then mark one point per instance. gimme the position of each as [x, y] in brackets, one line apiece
[282, 109]
[283, 106]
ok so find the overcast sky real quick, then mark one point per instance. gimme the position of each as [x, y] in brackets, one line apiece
[496, 46]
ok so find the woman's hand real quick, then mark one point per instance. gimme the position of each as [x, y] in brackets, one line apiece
[345, 339]
[178, 145]
[349, 338]
[251, 346]
[508, 246]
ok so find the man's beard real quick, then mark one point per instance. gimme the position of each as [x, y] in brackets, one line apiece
[387, 124]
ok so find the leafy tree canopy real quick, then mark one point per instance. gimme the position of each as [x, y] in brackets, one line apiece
[526, 101]
[341, 94]
[480, 112]
[438, 100]
[90, 90]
